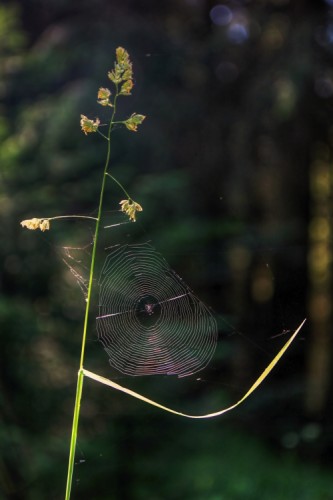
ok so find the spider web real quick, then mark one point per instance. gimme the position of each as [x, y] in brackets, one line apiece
[150, 322]
[77, 267]
[77, 258]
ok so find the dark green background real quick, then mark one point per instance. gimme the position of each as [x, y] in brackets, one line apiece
[236, 115]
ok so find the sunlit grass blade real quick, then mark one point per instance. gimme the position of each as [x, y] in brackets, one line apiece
[253, 387]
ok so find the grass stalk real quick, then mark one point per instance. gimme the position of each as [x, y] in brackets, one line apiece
[122, 78]
[80, 378]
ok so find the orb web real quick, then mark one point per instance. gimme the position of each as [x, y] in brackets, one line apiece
[150, 322]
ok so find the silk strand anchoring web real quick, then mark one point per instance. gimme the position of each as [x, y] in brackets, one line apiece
[150, 322]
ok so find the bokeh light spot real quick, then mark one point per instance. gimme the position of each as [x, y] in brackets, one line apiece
[290, 440]
[220, 15]
[238, 33]
[311, 432]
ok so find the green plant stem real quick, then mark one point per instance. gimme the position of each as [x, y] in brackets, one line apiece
[120, 185]
[79, 386]
[100, 133]
[70, 217]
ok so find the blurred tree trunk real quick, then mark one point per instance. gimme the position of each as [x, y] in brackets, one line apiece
[320, 282]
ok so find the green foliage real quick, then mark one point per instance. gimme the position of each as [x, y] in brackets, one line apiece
[193, 461]
[12, 39]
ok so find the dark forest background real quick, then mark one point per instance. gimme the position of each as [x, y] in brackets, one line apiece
[233, 167]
